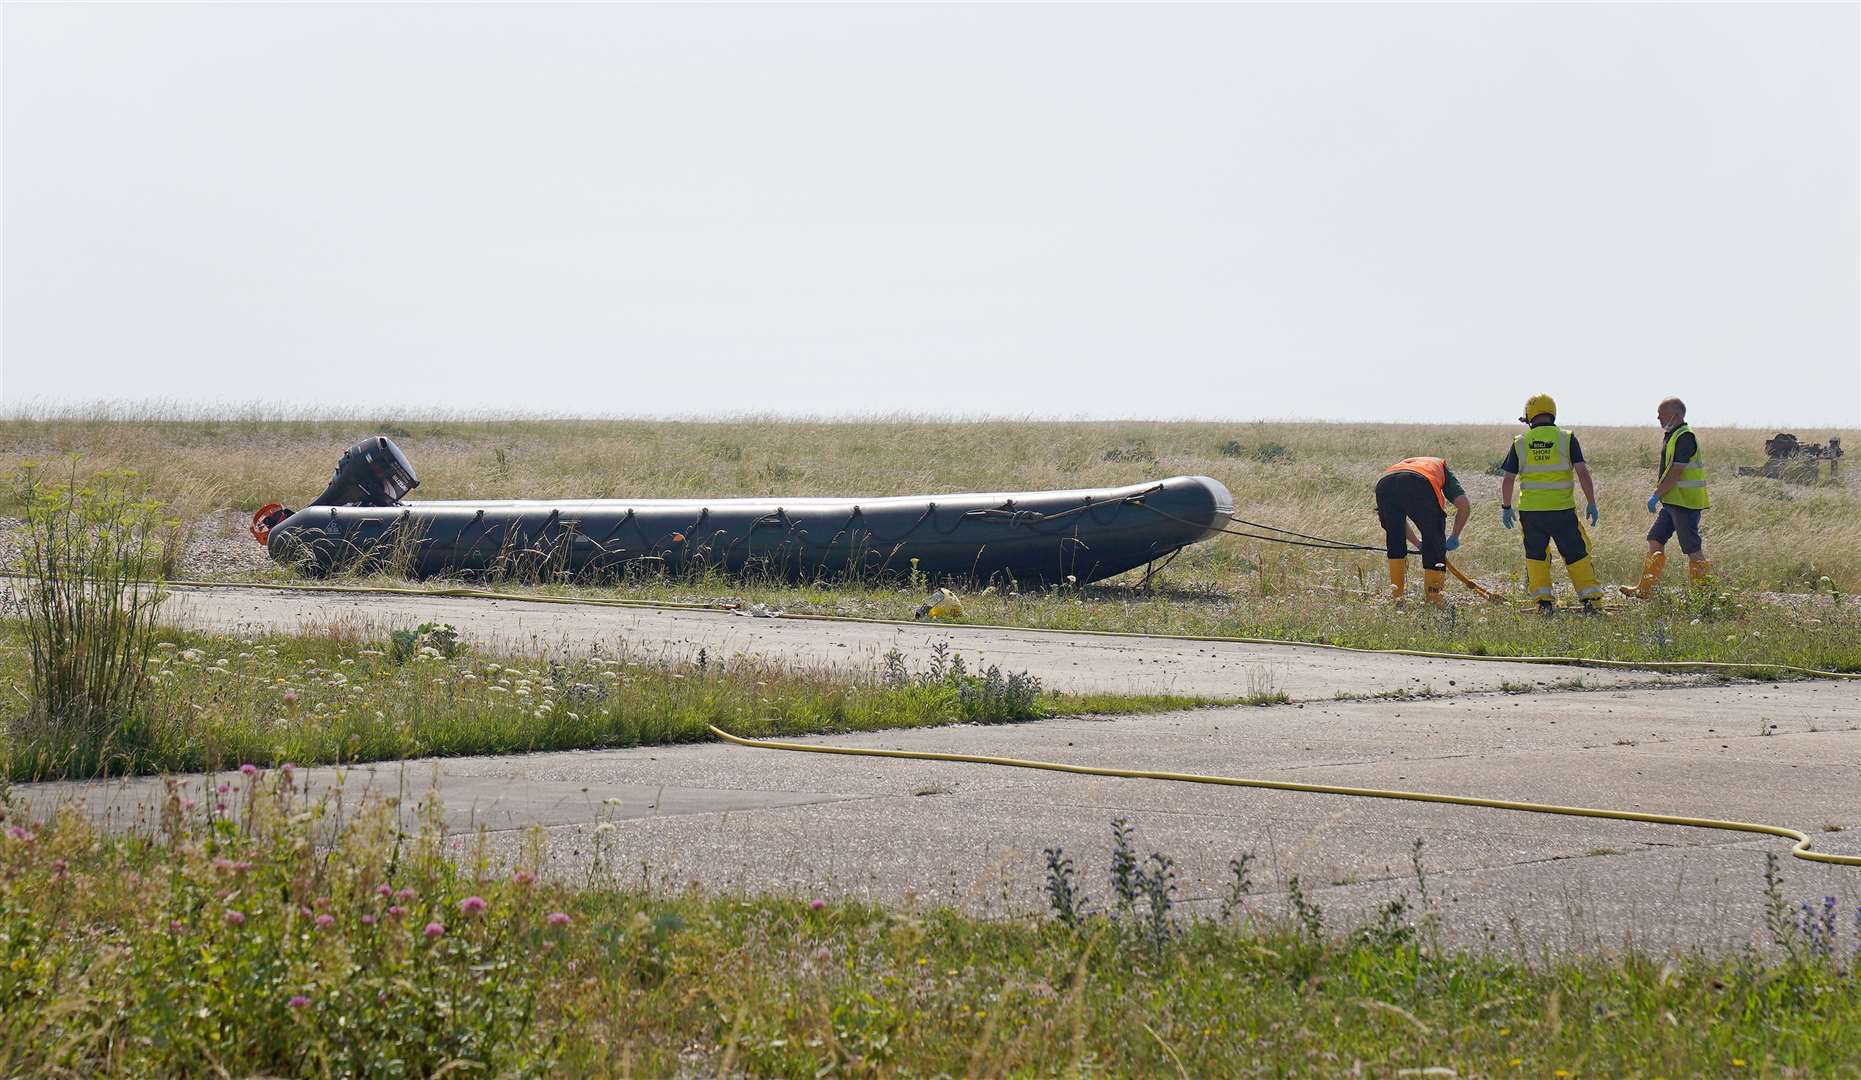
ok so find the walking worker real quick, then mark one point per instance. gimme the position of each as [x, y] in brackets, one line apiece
[1546, 465]
[1419, 489]
[1678, 501]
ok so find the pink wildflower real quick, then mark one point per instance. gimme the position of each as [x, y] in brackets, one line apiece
[383, 890]
[174, 926]
[406, 896]
[298, 1001]
[823, 955]
[324, 922]
[235, 917]
[290, 697]
[14, 832]
[368, 920]
[524, 878]
[434, 930]
[225, 789]
[249, 769]
[816, 904]
[558, 918]
[472, 905]
[395, 911]
[188, 804]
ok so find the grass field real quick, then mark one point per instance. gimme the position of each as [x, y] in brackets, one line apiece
[277, 935]
[1787, 556]
[1312, 477]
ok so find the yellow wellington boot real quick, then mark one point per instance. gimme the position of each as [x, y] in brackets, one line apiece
[1651, 568]
[1583, 578]
[1538, 582]
[1699, 571]
[1432, 583]
[1398, 577]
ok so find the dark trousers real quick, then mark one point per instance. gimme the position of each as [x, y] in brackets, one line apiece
[1545, 527]
[1677, 521]
[1407, 496]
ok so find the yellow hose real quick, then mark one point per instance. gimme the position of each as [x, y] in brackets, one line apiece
[1800, 850]
[1703, 666]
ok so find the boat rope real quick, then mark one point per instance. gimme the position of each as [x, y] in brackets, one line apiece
[1324, 545]
[1800, 850]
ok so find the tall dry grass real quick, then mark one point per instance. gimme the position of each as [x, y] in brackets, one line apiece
[1313, 477]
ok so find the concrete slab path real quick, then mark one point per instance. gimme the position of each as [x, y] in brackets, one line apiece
[971, 836]
[1074, 662]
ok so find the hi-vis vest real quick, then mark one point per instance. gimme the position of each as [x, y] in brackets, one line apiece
[1690, 490]
[1547, 479]
[1433, 469]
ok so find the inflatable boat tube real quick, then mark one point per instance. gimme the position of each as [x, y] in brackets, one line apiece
[1039, 537]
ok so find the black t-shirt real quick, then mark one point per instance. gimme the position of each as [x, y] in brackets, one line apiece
[1576, 456]
[1450, 487]
[1686, 448]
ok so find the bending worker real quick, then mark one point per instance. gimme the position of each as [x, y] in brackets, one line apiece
[1418, 490]
[1678, 501]
[1546, 463]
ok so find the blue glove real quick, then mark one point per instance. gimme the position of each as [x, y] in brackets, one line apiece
[1654, 504]
[1453, 542]
[1506, 517]
[1590, 512]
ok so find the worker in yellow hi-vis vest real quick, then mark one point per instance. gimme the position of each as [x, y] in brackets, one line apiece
[1546, 465]
[1678, 501]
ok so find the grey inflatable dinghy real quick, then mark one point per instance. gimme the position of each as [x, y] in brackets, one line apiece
[1037, 537]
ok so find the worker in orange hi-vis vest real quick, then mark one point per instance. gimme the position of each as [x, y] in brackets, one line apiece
[1417, 491]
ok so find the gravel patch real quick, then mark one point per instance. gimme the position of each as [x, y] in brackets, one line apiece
[218, 547]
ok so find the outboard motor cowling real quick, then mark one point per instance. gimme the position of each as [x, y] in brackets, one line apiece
[373, 472]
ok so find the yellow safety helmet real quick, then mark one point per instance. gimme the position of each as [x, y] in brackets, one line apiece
[1538, 403]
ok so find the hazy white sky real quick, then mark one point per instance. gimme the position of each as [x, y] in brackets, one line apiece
[1324, 211]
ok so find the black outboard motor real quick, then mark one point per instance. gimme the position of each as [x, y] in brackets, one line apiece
[373, 472]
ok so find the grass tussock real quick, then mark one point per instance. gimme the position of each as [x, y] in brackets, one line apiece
[289, 936]
[91, 557]
[216, 702]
